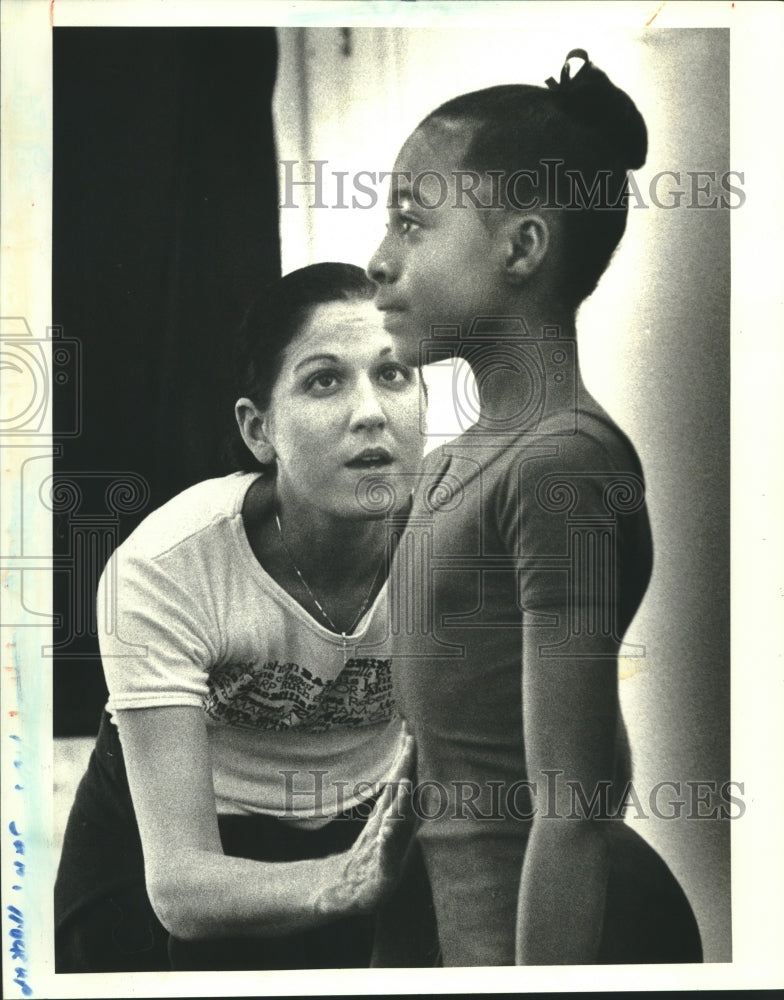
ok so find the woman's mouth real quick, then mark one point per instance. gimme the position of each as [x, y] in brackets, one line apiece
[370, 458]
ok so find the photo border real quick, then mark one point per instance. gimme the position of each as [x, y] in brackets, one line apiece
[757, 732]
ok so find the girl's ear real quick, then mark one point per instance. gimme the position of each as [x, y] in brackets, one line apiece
[253, 428]
[526, 241]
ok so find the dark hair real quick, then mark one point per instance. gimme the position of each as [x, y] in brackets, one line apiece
[273, 320]
[586, 122]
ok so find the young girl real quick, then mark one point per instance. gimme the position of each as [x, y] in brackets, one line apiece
[223, 820]
[505, 207]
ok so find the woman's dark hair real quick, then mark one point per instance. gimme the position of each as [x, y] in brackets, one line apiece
[273, 320]
[595, 132]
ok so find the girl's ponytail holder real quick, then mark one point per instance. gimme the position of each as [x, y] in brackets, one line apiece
[566, 81]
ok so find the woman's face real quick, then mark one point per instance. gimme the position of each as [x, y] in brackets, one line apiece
[436, 266]
[344, 408]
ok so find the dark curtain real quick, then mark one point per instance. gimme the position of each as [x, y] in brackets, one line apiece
[165, 224]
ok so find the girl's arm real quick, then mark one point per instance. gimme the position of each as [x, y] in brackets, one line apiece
[569, 721]
[198, 892]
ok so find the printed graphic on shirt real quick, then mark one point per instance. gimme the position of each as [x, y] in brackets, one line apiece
[275, 695]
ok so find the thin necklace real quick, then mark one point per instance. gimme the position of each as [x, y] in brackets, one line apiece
[318, 603]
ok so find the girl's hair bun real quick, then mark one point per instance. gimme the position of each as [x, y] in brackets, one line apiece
[592, 100]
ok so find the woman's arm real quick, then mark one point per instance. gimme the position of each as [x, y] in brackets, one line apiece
[569, 719]
[197, 891]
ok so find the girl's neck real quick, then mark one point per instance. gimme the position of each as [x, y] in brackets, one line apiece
[536, 373]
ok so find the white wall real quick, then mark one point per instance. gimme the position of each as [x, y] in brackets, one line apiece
[654, 342]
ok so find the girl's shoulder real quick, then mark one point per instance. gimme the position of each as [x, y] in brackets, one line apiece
[596, 438]
[590, 445]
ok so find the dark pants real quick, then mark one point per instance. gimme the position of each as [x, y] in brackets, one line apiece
[103, 918]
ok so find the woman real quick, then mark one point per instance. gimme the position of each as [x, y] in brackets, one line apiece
[223, 821]
[505, 208]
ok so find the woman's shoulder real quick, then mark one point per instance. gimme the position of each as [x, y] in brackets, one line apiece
[204, 505]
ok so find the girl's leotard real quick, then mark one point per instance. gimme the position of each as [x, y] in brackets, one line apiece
[504, 534]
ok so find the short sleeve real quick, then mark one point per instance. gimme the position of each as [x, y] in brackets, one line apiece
[565, 516]
[155, 633]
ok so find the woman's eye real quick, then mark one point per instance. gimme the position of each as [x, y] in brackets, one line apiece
[394, 374]
[322, 381]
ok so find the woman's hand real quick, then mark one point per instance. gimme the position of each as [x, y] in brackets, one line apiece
[360, 878]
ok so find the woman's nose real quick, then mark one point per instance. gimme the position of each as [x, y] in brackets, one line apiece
[367, 410]
[381, 267]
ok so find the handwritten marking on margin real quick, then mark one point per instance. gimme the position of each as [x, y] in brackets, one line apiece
[16, 934]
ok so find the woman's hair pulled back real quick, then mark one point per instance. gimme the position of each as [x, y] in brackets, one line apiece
[582, 131]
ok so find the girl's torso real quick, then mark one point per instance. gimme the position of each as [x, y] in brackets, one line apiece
[498, 540]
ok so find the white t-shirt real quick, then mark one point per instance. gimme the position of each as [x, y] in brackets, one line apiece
[297, 726]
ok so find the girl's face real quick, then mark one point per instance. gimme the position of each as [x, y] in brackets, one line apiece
[436, 265]
[344, 407]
